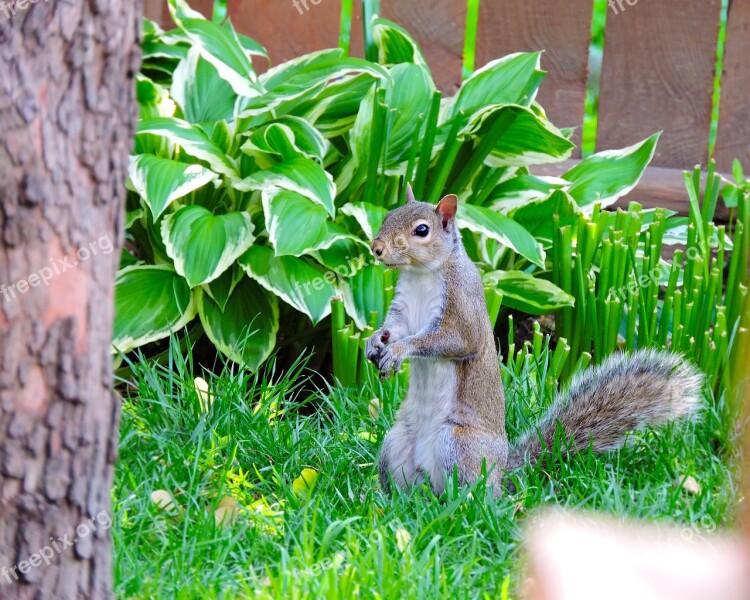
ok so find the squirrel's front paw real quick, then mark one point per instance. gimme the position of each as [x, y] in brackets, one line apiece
[376, 344]
[391, 359]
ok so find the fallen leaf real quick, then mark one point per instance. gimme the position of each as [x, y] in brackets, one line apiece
[227, 512]
[691, 486]
[403, 538]
[204, 396]
[374, 408]
[162, 499]
[303, 485]
[368, 437]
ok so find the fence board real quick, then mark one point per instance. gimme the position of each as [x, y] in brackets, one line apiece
[562, 30]
[154, 10]
[285, 29]
[439, 31]
[657, 74]
[733, 140]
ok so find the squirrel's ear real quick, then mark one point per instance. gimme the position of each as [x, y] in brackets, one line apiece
[446, 208]
[409, 194]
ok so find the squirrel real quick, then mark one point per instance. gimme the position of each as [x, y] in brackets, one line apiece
[453, 415]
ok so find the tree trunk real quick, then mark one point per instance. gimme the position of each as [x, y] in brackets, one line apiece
[67, 113]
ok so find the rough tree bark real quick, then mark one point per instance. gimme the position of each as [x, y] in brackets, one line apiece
[67, 113]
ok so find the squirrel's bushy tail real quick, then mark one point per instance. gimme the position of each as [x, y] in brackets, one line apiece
[624, 393]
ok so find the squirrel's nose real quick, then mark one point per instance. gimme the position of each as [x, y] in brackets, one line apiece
[378, 247]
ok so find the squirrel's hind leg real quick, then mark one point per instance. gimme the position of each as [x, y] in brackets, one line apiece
[397, 457]
[469, 448]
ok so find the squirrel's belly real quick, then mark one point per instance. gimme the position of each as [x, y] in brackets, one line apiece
[433, 386]
[425, 293]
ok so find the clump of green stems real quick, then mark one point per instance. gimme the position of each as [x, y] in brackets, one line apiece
[627, 295]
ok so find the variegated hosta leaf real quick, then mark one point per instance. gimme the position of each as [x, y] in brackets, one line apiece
[518, 191]
[192, 140]
[526, 293]
[203, 245]
[271, 144]
[295, 224]
[609, 175]
[220, 289]
[301, 80]
[154, 102]
[245, 330]
[501, 228]
[408, 95]
[160, 181]
[203, 96]
[335, 109]
[296, 281]
[395, 45]
[304, 72]
[513, 79]
[150, 303]
[301, 175]
[369, 216]
[287, 138]
[537, 216]
[523, 137]
[364, 293]
[346, 255]
[220, 46]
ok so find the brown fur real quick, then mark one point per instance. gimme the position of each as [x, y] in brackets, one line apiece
[439, 317]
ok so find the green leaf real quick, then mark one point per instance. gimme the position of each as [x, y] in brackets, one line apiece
[304, 72]
[303, 78]
[407, 96]
[295, 224]
[346, 255]
[249, 45]
[203, 96]
[365, 294]
[526, 293]
[287, 138]
[522, 189]
[334, 110]
[160, 181]
[537, 216]
[220, 289]
[502, 229]
[296, 281]
[301, 175]
[192, 140]
[369, 216]
[270, 143]
[204, 245]
[150, 303]
[218, 45]
[245, 331]
[607, 176]
[677, 234]
[395, 45]
[513, 79]
[523, 138]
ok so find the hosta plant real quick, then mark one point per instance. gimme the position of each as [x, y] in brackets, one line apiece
[253, 197]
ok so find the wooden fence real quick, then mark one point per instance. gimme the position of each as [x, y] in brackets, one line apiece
[657, 72]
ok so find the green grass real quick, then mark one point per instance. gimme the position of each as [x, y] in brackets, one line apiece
[345, 536]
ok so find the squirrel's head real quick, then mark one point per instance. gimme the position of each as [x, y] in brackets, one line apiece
[418, 236]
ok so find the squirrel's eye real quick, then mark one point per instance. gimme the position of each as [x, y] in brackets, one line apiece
[422, 230]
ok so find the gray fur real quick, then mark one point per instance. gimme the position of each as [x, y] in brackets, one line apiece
[623, 394]
[454, 411]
